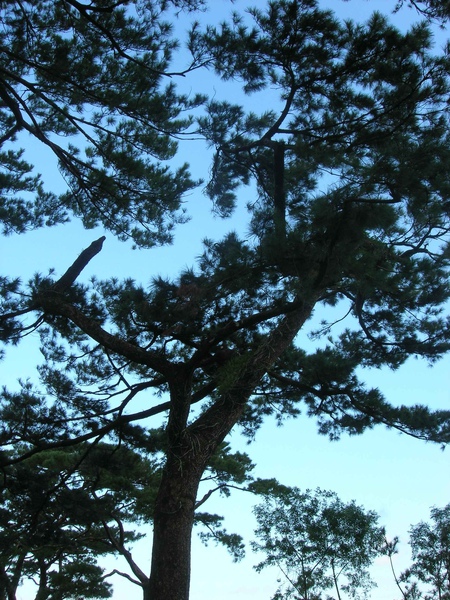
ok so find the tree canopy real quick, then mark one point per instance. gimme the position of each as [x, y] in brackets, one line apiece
[349, 208]
[319, 543]
[92, 83]
[63, 509]
[428, 577]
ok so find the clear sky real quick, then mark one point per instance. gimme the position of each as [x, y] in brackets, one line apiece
[397, 476]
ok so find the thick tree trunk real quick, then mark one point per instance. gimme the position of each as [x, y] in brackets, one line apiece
[175, 503]
[172, 532]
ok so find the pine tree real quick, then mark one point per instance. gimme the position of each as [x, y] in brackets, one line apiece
[351, 211]
[63, 509]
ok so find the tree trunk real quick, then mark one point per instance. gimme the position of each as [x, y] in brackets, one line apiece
[7, 591]
[172, 531]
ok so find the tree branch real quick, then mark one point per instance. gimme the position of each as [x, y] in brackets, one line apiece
[119, 546]
[215, 423]
[125, 575]
[67, 280]
[72, 273]
[54, 305]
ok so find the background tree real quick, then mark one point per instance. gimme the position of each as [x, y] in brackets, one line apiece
[61, 510]
[351, 212]
[429, 575]
[323, 546]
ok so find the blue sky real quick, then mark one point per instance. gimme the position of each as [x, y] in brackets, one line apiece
[397, 476]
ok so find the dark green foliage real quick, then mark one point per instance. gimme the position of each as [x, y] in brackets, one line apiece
[429, 574]
[318, 542]
[225, 471]
[438, 10]
[351, 214]
[232, 541]
[91, 82]
[62, 510]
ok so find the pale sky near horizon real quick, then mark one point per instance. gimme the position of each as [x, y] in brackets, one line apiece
[397, 476]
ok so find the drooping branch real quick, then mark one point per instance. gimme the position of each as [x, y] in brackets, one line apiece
[119, 545]
[87, 10]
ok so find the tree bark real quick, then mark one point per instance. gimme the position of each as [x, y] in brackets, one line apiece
[172, 531]
[70, 276]
[175, 503]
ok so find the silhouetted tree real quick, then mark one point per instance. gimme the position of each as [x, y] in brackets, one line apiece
[351, 211]
[62, 509]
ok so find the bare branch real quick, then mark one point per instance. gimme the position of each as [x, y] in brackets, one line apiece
[77, 267]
